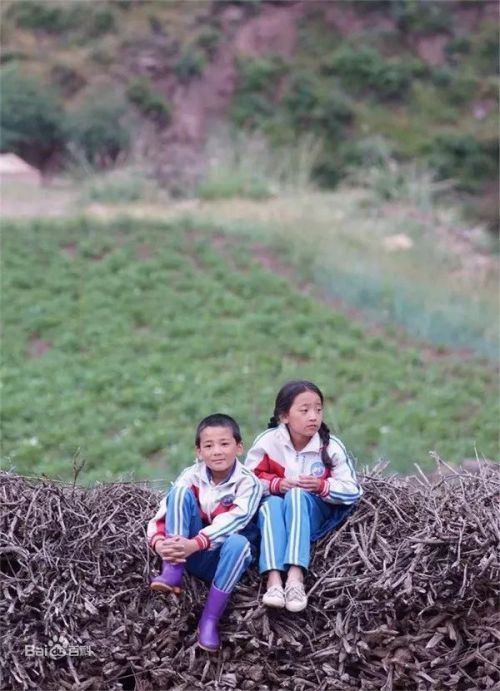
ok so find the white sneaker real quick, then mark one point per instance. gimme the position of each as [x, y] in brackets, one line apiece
[274, 597]
[295, 597]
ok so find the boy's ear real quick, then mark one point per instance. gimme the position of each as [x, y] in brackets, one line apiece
[239, 448]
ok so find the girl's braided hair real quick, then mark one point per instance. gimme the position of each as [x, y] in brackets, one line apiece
[284, 401]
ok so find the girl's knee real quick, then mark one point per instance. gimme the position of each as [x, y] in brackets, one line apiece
[272, 504]
[295, 492]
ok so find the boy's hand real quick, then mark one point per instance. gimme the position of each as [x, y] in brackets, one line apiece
[285, 485]
[160, 546]
[309, 483]
[176, 549]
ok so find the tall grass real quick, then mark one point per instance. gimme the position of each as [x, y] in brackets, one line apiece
[245, 165]
[341, 242]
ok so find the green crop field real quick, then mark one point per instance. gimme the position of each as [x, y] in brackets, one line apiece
[119, 337]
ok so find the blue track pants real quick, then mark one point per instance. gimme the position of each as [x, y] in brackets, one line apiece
[223, 565]
[289, 523]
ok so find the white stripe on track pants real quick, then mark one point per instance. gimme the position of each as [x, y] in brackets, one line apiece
[286, 524]
[224, 565]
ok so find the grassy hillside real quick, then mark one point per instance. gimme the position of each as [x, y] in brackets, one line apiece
[119, 337]
[422, 75]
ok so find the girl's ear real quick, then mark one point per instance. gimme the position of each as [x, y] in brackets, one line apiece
[283, 418]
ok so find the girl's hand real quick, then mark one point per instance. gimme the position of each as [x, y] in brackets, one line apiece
[309, 483]
[285, 485]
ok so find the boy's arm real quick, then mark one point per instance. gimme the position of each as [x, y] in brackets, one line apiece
[156, 526]
[245, 504]
[269, 472]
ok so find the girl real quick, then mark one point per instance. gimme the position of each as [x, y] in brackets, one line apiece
[309, 486]
[200, 523]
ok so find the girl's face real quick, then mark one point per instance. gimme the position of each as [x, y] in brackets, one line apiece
[218, 450]
[305, 415]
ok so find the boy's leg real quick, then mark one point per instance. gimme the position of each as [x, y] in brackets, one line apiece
[235, 558]
[183, 515]
[271, 522]
[182, 518]
[203, 564]
[224, 566]
[303, 512]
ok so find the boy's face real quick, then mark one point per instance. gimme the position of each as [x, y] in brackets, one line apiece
[218, 449]
[305, 415]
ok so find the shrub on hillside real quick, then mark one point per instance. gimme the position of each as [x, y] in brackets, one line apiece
[31, 117]
[30, 14]
[191, 63]
[68, 80]
[464, 158]
[311, 104]
[486, 49]
[97, 130]
[364, 68]
[60, 17]
[101, 22]
[422, 17]
[209, 39]
[254, 98]
[12, 56]
[153, 105]
[459, 45]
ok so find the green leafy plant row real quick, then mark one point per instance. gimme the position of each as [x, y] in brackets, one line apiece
[119, 338]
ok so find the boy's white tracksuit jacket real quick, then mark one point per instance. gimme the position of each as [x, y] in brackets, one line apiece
[273, 457]
[225, 508]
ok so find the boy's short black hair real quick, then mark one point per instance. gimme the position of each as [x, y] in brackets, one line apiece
[218, 420]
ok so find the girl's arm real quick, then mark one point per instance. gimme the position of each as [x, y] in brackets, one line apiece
[245, 504]
[269, 472]
[342, 487]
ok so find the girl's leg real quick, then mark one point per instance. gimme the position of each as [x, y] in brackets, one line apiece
[272, 549]
[271, 523]
[304, 513]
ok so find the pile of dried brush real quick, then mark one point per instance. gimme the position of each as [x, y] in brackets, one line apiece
[402, 596]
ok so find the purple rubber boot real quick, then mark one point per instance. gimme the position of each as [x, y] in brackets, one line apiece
[208, 632]
[170, 578]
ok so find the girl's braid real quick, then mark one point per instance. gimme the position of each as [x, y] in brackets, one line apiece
[324, 435]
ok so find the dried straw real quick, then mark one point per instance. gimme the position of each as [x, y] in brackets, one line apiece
[404, 595]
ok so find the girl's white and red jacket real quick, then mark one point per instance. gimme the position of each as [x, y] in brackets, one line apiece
[225, 508]
[273, 457]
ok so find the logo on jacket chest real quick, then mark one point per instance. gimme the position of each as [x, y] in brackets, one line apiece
[317, 469]
[227, 499]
